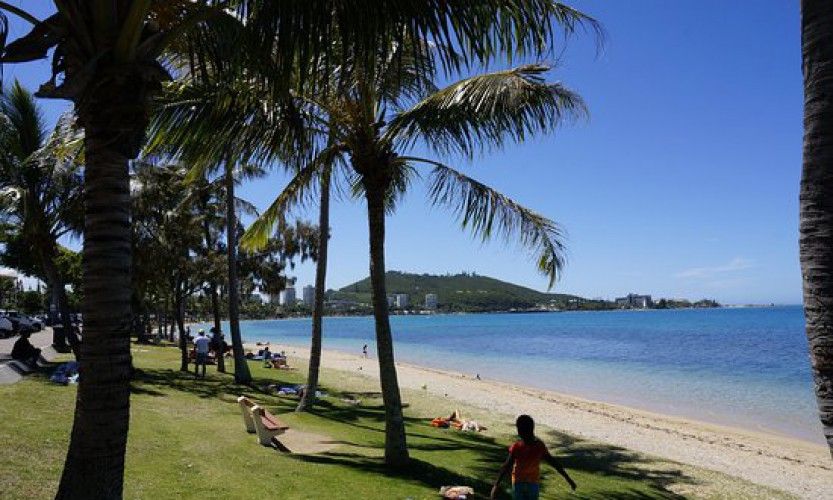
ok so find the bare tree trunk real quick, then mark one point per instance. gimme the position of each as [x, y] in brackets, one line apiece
[816, 199]
[59, 299]
[241, 368]
[94, 466]
[396, 448]
[320, 289]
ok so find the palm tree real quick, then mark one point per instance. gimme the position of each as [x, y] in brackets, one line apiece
[108, 55]
[479, 113]
[41, 187]
[241, 368]
[316, 338]
[816, 240]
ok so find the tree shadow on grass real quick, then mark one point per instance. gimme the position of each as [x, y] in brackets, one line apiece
[158, 382]
[619, 463]
[436, 452]
[418, 472]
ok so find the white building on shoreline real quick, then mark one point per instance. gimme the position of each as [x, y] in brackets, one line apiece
[634, 301]
[401, 300]
[309, 295]
[287, 297]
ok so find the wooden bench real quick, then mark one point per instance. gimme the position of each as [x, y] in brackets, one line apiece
[246, 406]
[267, 426]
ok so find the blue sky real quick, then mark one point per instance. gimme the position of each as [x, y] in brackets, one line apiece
[683, 183]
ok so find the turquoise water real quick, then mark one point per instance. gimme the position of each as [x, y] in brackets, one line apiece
[746, 367]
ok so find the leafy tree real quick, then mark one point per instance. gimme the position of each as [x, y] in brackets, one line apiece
[166, 234]
[816, 202]
[31, 302]
[40, 194]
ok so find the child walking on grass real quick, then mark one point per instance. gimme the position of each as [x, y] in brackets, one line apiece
[524, 461]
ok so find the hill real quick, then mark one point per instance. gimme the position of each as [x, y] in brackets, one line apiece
[459, 292]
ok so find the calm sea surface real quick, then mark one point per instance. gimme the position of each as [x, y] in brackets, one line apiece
[743, 367]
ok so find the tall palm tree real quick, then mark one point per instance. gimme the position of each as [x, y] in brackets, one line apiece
[480, 113]
[816, 240]
[316, 339]
[241, 368]
[41, 187]
[108, 55]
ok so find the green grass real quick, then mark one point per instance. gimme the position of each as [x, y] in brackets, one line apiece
[187, 440]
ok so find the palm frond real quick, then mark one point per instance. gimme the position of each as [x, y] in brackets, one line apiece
[26, 120]
[299, 191]
[202, 121]
[468, 31]
[487, 212]
[245, 207]
[486, 111]
[4, 33]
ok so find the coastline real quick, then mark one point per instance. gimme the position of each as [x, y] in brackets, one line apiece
[798, 467]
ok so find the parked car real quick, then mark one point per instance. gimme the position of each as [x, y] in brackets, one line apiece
[20, 321]
[37, 322]
[6, 328]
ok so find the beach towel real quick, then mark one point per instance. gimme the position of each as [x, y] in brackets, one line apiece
[456, 492]
[65, 374]
[439, 422]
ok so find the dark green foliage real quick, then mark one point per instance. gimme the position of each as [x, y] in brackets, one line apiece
[32, 302]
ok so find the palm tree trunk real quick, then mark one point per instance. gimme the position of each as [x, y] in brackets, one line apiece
[241, 368]
[180, 323]
[94, 466]
[816, 200]
[396, 448]
[215, 310]
[320, 283]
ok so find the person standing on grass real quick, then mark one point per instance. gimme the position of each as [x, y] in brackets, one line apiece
[525, 456]
[201, 346]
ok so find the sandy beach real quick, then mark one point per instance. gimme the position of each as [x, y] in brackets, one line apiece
[799, 468]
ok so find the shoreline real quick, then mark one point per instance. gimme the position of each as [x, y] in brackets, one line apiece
[788, 464]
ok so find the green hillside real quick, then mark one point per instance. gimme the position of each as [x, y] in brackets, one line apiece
[458, 292]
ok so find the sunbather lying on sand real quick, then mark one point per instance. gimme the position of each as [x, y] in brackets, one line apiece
[457, 421]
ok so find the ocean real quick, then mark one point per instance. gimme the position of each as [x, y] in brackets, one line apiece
[743, 367]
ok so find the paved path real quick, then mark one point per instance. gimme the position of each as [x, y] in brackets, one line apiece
[40, 340]
[10, 374]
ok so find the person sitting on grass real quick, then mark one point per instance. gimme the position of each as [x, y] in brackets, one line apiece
[24, 351]
[524, 461]
[201, 345]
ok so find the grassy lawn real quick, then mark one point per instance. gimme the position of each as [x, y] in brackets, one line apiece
[187, 440]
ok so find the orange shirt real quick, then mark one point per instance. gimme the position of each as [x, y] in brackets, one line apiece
[527, 457]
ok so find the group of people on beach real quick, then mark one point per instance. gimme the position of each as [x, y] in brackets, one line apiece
[204, 345]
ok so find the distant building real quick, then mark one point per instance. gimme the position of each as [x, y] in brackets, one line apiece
[401, 300]
[391, 301]
[287, 297]
[309, 295]
[635, 301]
[431, 300]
